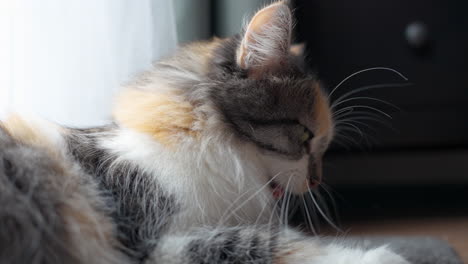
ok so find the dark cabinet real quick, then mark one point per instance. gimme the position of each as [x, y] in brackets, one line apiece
[427, 41]
[347, 36]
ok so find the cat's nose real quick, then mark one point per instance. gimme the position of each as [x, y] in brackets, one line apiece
[315, 180]
[315, 173]
[313, 183]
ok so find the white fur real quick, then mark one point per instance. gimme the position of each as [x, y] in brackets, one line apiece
[224, 184]
[212, 184]
[292, 174]
[312, 253]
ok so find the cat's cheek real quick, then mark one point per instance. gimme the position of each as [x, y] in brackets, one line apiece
[291, 175]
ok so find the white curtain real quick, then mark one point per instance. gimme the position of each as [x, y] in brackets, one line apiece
[65, 59]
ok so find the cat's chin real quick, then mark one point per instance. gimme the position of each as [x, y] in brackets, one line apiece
[278, 191]
[300, 188]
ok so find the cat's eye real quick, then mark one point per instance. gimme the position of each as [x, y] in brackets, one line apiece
[306, 135]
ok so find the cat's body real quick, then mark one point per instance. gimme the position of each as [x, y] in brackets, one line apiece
[188, 172]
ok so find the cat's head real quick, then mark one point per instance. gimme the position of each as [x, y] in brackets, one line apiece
[270, 99]
[259, 89]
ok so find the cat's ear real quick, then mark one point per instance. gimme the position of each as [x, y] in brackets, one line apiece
[267, 38]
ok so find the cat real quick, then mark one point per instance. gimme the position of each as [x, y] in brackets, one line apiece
[191, 169]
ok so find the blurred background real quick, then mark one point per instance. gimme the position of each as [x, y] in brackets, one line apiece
[399, 164]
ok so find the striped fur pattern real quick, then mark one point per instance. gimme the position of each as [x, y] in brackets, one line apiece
[50, 207]
[190, 169]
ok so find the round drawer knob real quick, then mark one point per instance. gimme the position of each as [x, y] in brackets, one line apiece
[417, 34]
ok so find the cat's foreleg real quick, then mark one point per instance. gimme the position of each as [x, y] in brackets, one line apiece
[257, 245]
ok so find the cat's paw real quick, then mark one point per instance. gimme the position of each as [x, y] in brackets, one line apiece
[334, 254]
[382, 255]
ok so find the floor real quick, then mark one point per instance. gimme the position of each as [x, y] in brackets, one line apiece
[440, 211]
[452, 229]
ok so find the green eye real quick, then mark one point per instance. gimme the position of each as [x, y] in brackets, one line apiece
[306, 135]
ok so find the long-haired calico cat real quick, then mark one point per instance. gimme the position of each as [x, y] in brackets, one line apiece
[189, 170]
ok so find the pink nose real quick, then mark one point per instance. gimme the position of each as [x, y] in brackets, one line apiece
[313, 183]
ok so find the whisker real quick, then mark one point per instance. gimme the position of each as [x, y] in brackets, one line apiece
[343, 111]
[366, 70]
[367, 137]
[355, 121]
[341, 143]
[353, 128]
[370, 87]
[366, 116]
[309, 219]
[260, 214]
[328, 188]
[364, 142]
[344, 137]
[371, 108]
[322, 213]
[343, 128]
[382, 122]
[364, 98]
[343, 124]
[287, 208]
[296, 205]
[356, 114]
[323, 204]
[332, 200]
[274, 212]
[357, 129]
[283, 205]
[246, 201]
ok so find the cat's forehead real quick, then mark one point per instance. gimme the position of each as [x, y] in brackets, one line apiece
[290, 95]
[287, 86]
[275, 98]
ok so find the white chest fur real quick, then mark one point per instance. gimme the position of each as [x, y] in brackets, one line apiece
[219, 184]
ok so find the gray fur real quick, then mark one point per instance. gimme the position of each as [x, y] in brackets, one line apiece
[27, 205]
[141, 209]
[33, 226]
[232, 245]
[246, 244]
[266, 110]
[254, 245]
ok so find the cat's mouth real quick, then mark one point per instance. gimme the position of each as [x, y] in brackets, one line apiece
[276, 190]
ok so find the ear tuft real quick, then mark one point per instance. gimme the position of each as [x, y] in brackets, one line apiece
[267, 38]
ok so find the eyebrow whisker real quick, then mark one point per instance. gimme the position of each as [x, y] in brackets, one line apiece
[366, 70]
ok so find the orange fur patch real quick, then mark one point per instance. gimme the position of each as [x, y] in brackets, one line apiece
[195, 56]
[160, 115]
[323, 114]
[29, 132]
